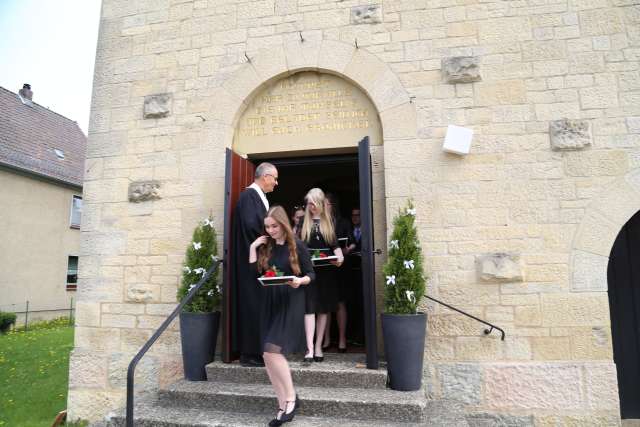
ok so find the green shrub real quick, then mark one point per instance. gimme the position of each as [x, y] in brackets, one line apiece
[201, 253]
[6, 320]
[405, 280]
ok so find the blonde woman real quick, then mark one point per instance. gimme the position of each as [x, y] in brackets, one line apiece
[321, 298]
[283, 307]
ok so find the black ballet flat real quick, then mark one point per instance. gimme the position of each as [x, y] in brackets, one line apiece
[318, 358]
[285, 418]
[276, 422]
[308, 359]
[342, 349]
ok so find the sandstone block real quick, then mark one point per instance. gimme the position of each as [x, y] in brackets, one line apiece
[157, 106]
[599, 97]
[591, 343]
[546, 386]
[551, 348]
[462, 382]
[575, 309]
[96, 339]
[597, 163]
[589, 271]
[499, 267]
[146, 376]
[461, 69]
[142, 191]
[601, 386]
[368, 14]
[88, 368]
[501, 93]
[139, 292]
[87, 313]
[528, 316]
[482, 348]
[566, 134]
[90, 404]
[600, 21]
[483, 419]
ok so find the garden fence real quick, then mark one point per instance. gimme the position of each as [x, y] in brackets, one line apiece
[27, 313]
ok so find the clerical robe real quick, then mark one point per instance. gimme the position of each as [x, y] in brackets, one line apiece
[248, 224]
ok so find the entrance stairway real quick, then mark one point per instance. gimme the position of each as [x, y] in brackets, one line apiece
[336, 392]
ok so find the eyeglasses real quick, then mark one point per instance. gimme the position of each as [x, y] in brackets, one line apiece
[298, 208]
[275, 178]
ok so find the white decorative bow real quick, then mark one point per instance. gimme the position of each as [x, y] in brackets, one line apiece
[207, 222]
[186, 269]
[391, 280]
[409, 264]
[197, 245]
[191, 287]
[218, 288]
[411, 211]
[214, 258]
[394, 244]
[199, 270]
[210, 293]
[411, 296]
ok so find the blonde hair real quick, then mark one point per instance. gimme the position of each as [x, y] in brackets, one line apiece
[316, 196]
[278, 214]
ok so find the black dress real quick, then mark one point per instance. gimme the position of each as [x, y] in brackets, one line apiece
[322, 296]
[282, 313]
[343, 230]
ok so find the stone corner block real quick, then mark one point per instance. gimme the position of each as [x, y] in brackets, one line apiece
[142, 191]
[461, 69]
[568, 134]
[157, 106]
[499, 267]
[368, 14]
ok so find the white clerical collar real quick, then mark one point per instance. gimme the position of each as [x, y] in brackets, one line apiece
[263, 197]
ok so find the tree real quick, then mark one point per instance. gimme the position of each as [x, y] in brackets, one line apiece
[201, 254]
[405, 281]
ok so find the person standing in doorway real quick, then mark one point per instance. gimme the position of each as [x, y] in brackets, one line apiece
[296, 219]
[248, 225]
[283, 307]
[318, 232]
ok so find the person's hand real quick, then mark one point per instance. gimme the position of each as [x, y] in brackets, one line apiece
[295, 282]
[262, 240]
[338, 262]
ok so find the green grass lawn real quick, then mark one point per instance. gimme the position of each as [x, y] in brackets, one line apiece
[34, 369]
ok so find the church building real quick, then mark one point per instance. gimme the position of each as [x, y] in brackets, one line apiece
[513, 126]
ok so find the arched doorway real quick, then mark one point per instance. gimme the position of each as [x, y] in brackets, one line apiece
[321, 130]
[623, 277]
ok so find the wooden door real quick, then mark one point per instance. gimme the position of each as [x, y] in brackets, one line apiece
[368, 262]
[239, 174]
[623, 278]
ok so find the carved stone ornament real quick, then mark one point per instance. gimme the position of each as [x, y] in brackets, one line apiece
[369, 14]
[499, 267]
[567, 134]
[157, 106]
[141, 191]
[461, 69]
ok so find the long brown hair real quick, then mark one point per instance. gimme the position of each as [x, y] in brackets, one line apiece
[317, 197]
[278, 214]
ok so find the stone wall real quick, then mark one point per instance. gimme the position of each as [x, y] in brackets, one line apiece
[517, 232]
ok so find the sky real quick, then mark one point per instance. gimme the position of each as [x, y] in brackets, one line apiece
[51, 44]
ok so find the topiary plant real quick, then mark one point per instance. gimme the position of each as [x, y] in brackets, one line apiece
[405, 280]
[6, 320]
[201, 254]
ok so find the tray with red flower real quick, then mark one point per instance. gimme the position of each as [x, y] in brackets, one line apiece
[322, 257]
[273, 276]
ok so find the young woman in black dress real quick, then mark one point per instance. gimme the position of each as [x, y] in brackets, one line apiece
[283, 309]
[321, 297]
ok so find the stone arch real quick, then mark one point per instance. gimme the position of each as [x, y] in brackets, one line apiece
[396, 111]
[594, 238]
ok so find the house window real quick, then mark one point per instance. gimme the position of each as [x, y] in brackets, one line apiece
[76, 211]
[72, 273]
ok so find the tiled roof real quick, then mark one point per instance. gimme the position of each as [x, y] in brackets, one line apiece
[29, 134]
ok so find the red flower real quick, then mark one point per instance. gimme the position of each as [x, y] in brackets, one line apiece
[269, 273]
[323, 255]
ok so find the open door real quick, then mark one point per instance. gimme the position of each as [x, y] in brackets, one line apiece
[239, 174]
[368, 262]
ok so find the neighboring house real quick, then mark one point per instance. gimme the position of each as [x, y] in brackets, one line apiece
[41, 169]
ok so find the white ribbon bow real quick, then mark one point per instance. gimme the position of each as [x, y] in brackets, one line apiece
[197, 245]
[186, 269]
[191, 287]
[394, 244]
[207, 222]
[409, 264]
[391, 280]
[411, 211]
[411, 296]
[199, 270]
[210, 293]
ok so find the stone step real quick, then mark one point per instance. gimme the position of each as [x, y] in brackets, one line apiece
[354, 403]
[336, 371]
[149, 413]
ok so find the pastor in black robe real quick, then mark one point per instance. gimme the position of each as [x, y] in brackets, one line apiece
[248, 225]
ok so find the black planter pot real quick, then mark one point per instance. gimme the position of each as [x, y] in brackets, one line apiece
[404, 336]
[198, 335]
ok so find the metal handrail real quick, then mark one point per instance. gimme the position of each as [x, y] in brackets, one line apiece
[134, 362]
[486, 331]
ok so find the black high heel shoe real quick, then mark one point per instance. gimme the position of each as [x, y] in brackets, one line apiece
[308, 359]
[286, 417]
[342, 349]
[318, 358]
[276, 422]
